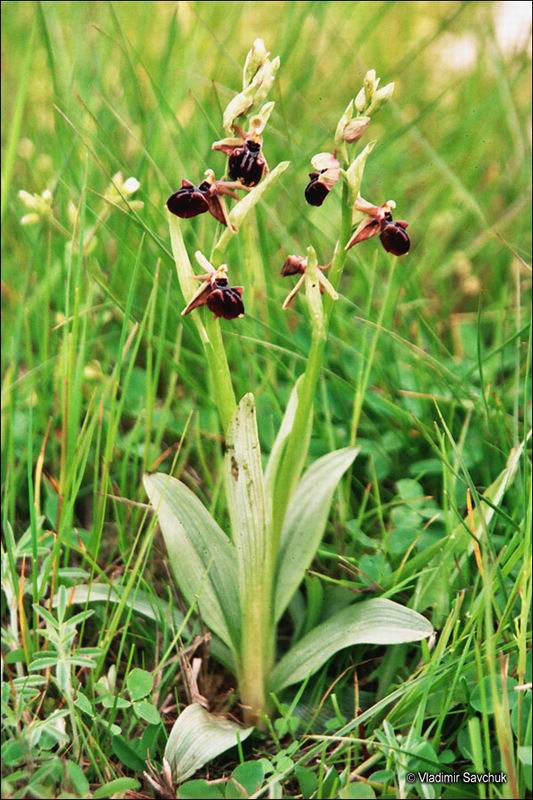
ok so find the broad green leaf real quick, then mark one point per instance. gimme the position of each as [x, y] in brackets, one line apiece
[84, 704]
[481, 698]
[201, 556]
[118, 786]
[201, 790]
[245, 491]
[376, 621]
[77, 778]
[524, 756]
[146, 604]
[139, 683]
[249, 775]
[305, 522]
[197, 737]
[147, 711]
[281, 438]
[357, 791]
[126, 754]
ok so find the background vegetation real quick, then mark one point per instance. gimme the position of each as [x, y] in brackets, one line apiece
[103, 381]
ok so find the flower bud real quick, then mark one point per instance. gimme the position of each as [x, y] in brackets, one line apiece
[264, 80]
[119, 189]
[258, 121]
[370, 84]
[354, 129]
[130, 186]
[344, 120]
[360, 101]
[72, 213]
[239, 105]
[254, 61]
[381, 98]
[30, 219]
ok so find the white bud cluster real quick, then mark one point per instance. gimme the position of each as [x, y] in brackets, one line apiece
[258, 78]
[39, 206]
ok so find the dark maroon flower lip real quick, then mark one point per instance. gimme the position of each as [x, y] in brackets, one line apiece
[246, 163]
[189, 201]
[294, 265]
[394, 237]
[315, 191]
[216, 293]
[225, 301]
[326, 173]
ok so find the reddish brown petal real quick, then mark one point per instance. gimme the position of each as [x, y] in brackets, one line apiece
[200, 299]
[366, 230]
[217, 208]
[294, 265]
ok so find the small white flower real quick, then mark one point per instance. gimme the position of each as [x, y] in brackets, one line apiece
[130, 186]
[39, 206]
[30, 219]
[29, 200]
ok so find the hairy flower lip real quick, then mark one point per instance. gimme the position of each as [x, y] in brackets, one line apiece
[190, 200]
[316, 190]
[246, 162]
[216, 293]
[394, 237]
[326, 173]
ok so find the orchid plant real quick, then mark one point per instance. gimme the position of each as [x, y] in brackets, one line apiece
[242, 584]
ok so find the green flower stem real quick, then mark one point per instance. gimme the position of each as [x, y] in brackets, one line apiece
[296, 450]
[215, 353]
[257, 651]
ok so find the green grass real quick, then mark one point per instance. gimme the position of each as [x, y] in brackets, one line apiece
[427, 370]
